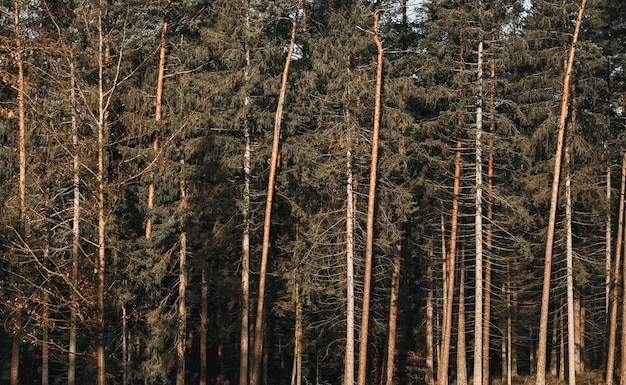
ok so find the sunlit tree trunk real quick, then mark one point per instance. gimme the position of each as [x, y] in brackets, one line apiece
[545, 295]
[478, 228]
[17, 326]
[257, 352]
[371, 203]
[157, 119]
[446, 330]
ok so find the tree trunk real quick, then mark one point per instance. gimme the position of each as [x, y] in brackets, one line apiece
[623, 339]
[561, 376]
[257, 352]
[430, 356]
[125, 352]
[157, 119]
[478, 228]
[371, 203]
[545, 295]
[607, 266]
[461, 346]
[489, 227]
[444, 262]
[296, 372]
[245, 240]
[182, 284]
[71, 370]
[103, 52]
[555, 347]
[348, 372]
[511, 360]
[204, 325]
[446, 330]
[571, 344]
[393, 316]
[610, 363]
[504, 371]
[579, 336]
[45, 339]
[17, 326]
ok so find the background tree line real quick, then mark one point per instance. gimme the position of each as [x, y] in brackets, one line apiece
[207, 191]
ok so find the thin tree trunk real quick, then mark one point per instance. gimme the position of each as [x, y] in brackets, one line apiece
[444, 263]
[514, 351]
[511, 358]
[204, 325]
[71, 370]
[545, 295]
[102, 123]
[623, 339]
[296, 372]
[371, 203]
[182, 284]
[489, 227]
[393, 316]
[555, 347]
[257, 352]
[461, 346]
[561, 345]
[610, 363]
[125, 354]
[571, 344]
[157, 119]
[503, 359]
[579, 335]
[45, 339]
[478, 228]
[17, 326]
[446, 330]
[607, 266]
[449, 264]
[348, 372]
[245, 240]
[430, 357]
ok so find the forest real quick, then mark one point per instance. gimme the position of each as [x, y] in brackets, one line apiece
[425, 192]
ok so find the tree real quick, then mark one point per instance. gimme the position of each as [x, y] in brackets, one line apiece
[371, 202]
[255, 367]
[545, 297]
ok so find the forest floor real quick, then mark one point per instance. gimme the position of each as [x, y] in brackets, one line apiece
[586, 378]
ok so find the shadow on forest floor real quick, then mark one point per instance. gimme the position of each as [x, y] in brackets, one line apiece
[586, 378]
